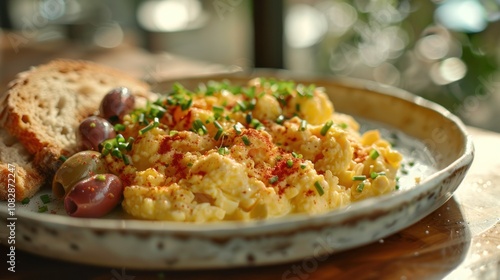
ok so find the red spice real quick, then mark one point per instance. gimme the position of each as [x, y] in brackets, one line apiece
[359, 155]
[178, 165]
[166, 143]
[282, 170]
[318, 157]
[164, 146]
[310, 193]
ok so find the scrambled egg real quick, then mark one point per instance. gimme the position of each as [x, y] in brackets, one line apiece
[269, 149]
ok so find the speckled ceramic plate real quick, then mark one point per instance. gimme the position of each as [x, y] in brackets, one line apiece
[425, 133]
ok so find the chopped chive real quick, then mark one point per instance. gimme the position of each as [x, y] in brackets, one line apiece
[217, 125]
[303, 166]
[109, 144]
[319, 188]
[249, 118]
[125, 159]
[119, 127]
[374, 154]
[187, 104]
[43, 208]
[92, 124]
[157, 111]
[199, 127]
[45, 198]
[278, 158]
[374, 175]
[116, 153]
[359, 178]
[343, 125]
[326, 127]
[173, 132]
[238, 128]
[280, 119]
[130, 143]
[242, 105]
[411, 163]
[245, 140]
[218, 110]
[251, 104]
[295, 155]
[404, 171]
[273, 179]
[141, 119]
[62, 158]
[360, 187]
[120, 139]
[289, 163]
[223, 151]
[249, 92]
[397, 187]
[303, 125]
[104, 152]
[218, 134]
[150, 126]
[25, 201]
[297, 107]
[255, 123]
[101, 177]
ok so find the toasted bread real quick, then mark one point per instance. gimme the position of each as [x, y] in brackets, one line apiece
[43, 108]
[17, 170]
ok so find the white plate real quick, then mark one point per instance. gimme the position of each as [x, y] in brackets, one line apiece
[425, 133]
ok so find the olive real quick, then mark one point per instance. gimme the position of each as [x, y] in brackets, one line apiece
[117, 103]
[94, 196]
[92, 131]
[77, 167]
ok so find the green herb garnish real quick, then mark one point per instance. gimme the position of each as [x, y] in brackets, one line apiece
[326, 127]
[374, 154]
[245, 140]
[359, 178]
[150, 126]
[303, 125]
[223, 151]
[319, 188]
[280, 119]
[237, 127]
[360, 187]
[273, 179]
[43, 208]
[45, 198]
[199, 127]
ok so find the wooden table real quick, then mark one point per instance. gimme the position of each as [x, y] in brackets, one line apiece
[460, 240]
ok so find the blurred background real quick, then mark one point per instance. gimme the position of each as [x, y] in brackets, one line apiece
[446, 51]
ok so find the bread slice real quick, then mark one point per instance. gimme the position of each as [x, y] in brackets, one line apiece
[17, 169]
[43, 108]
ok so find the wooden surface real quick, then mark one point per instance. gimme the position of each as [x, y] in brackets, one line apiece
[460, 240]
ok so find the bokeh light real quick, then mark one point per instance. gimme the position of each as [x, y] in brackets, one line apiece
[304, 26]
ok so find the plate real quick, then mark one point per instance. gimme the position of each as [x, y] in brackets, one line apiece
[429, 136]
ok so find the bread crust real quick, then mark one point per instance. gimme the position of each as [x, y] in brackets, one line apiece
[43, 107]
[18, 174]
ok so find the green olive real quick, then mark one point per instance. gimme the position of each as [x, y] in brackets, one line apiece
[76, 168]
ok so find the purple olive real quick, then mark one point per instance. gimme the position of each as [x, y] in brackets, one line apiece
[94, 197]
[93, 130]
[76, 168]
[117, 103]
